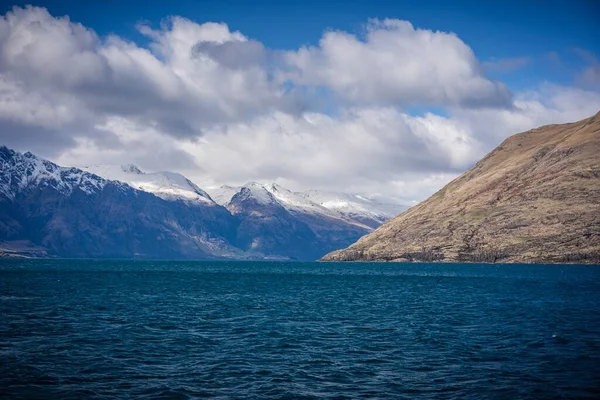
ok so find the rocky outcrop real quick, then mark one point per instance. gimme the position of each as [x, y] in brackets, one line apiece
[534, 199]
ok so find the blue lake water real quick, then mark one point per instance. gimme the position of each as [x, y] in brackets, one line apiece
[251, 330]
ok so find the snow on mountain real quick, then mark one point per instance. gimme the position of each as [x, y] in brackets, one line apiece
[294, 202]
[367, 210]
[166, 185]
[259, 221]
[350, 207]
[18, 171]
[257, 192]
[223, 194]
[263, 194]
[68, 212]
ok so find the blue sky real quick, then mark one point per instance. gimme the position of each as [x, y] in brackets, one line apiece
[374, 97]
[510, 29]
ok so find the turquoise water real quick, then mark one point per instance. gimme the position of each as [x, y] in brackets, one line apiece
[121, 329]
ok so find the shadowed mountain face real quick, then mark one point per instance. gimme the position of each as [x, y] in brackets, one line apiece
[48, 210]
[72, 213]
[117, 222]
[535, 198]
[268, 227]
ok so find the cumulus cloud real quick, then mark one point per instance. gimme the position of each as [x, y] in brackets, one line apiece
[548, 104]
[377, 150]
[396, 63]
[130, 142]
[173, 84]
[374, 144]
[215, 105]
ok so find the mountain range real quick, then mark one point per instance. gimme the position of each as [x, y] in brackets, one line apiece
[106, 211]
[533, 199]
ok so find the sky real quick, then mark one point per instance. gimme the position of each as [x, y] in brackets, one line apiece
[387, 98]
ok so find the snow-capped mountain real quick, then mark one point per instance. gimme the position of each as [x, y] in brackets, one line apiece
[256, 192]
[68, 212]
[18, 171]
[222, 194]
[122, 212]
[274, 221]
[351, 207]
[271, 201]
[166, 185]
[293, 201]
[369, 211]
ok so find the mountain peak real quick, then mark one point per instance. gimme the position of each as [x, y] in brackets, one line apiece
[21, 171]
[360, 208]
[253, 184]
[164, 184]
[6, 152]
[256, 192]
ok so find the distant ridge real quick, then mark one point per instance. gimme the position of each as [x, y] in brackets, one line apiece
[533, 199]
[119, 211]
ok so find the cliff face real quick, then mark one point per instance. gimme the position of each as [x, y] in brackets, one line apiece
[534, 199]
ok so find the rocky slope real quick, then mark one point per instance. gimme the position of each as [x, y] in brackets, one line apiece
[534, 199]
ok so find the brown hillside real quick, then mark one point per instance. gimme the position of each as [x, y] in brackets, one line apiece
[533, 199]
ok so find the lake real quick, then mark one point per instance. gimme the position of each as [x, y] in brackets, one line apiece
[252, 330]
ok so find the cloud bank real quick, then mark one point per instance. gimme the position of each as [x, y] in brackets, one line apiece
[212, 103]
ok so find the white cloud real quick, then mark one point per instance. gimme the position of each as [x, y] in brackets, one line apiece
[22, 106]
[549, 104]
[211, 103]
[132, 143]
[396, 63]
[172, 84]
[378, 149]
[374, 144]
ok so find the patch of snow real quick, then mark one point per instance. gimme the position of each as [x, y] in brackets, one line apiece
[164, 184]
[223, 194]
[293, 202]
[356, 209]
[257, 192]
[355, 206]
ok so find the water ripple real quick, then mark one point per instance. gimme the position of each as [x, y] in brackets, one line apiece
[109, 329]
